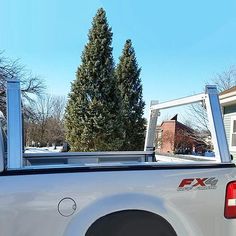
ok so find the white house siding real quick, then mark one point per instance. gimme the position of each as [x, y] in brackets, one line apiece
[227, 123]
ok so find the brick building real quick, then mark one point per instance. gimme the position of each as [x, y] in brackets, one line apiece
[174, 137]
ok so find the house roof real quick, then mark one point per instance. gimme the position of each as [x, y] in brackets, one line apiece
[228, 97]
[233, 89]
[175, 117]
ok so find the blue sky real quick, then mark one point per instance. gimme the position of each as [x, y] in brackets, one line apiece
[180, 45]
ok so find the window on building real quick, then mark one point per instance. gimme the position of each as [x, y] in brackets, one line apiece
[233, 133]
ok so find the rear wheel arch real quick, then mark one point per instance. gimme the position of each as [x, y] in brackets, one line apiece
[131, 222]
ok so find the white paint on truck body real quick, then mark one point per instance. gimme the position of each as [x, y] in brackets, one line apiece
[29, 203]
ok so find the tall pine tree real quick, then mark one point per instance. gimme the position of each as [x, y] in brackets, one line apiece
[93, 111]
[129, 83]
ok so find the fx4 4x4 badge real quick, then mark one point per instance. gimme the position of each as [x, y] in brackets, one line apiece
[198, 184]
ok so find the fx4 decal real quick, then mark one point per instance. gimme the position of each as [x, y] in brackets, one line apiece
[198, 184]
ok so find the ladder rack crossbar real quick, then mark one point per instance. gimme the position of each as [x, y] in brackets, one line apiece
[179, 102]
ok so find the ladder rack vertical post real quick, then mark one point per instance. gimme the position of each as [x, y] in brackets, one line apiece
[216, 125]
[151, 128]
[14, 125]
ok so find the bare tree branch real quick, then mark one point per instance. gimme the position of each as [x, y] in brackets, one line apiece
[197, 112]
[198, 118]
[226, 79]
[30, 84]
[45, 125]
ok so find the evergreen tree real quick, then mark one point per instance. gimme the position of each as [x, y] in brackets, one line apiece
[129, 83]
[93, 111]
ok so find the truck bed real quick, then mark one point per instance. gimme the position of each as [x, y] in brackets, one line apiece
[32, 197]
[84, 158]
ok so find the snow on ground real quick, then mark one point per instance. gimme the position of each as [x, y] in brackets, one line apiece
[42, 149]
[183, 158]
[170, 159]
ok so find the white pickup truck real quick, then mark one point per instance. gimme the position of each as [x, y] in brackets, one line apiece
[115, 193]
